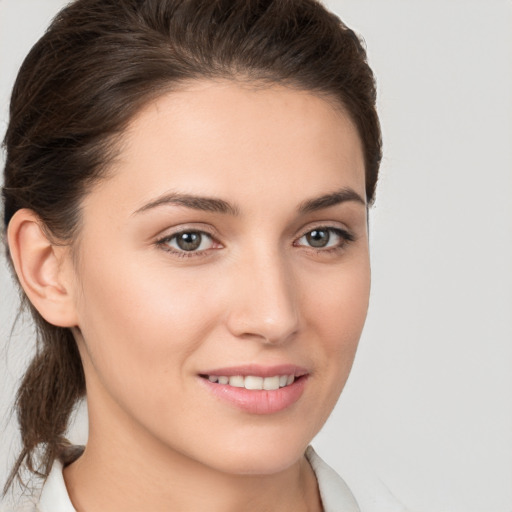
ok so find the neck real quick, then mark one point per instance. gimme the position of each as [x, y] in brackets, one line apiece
[127, 469]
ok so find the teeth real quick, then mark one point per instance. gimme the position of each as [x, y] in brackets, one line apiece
[271, 383]
[253, 382]
[237, 381]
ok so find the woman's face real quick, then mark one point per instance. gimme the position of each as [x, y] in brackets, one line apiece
[227, 250]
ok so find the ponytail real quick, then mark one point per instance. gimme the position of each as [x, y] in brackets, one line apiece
[51, 387]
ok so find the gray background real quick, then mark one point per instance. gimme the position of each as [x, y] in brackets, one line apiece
[427, 413]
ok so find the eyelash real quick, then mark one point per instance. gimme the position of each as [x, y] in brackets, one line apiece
[345, 236]
[163, 243]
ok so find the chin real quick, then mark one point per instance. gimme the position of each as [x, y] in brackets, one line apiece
[262, 458]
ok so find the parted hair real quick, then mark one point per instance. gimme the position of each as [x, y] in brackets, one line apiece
[97, 65]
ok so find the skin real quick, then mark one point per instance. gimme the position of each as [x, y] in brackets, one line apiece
[148, 318]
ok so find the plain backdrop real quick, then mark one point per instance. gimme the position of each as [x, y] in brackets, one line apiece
[427, 411]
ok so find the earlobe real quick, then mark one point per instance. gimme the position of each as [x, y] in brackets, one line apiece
[43, 269]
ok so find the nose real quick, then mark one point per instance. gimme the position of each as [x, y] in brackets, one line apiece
[264, 299]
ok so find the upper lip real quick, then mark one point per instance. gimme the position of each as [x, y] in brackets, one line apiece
[258, 370]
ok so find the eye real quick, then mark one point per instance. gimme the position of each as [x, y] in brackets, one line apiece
[325, 238]
[188, 241]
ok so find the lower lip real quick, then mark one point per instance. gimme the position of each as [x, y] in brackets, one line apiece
[258, 401]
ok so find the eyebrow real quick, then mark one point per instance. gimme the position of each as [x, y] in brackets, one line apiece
[207, 204]
[341, 196]
[211, 204]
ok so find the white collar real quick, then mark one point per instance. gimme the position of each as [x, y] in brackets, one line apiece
[335, 494]
[54, 496]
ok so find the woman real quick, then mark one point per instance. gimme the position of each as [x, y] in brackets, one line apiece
[186, 193]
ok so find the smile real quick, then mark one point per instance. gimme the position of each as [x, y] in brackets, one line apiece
[257, 389]
[253, 382]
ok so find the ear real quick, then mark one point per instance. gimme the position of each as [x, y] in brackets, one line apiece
[43, 268]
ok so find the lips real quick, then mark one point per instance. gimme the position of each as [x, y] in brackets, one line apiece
[257, 389]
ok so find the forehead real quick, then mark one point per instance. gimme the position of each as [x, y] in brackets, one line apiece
[232, 139]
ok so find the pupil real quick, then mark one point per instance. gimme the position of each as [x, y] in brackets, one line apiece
[318, 238]
[189, 241]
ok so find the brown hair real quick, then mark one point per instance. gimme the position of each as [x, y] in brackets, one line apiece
[98, 63]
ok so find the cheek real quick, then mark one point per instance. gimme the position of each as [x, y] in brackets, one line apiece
[140, 324]
[338, 301]
[337, 313]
